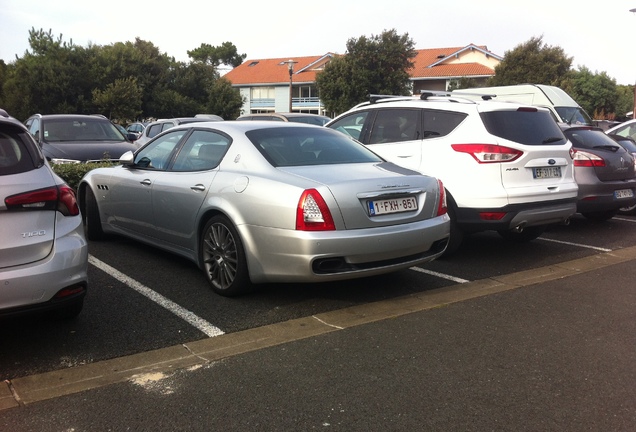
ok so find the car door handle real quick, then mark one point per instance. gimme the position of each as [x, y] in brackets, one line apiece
[198, 187]
[146, 182]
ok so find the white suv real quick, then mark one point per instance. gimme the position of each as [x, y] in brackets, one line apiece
[506, 167]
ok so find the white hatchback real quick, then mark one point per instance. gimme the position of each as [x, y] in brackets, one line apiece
[506, 167]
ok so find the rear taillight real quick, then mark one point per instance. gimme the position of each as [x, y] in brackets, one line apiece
[492, 216]
[587, 159]
[488, 153]
[312, 213]
[61, 198]
[442, 207]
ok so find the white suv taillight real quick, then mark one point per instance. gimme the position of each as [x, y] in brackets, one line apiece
[312, 213]
[488, 153]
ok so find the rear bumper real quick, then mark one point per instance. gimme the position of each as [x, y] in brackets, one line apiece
[33, 287]
[279, 255]
[517, 215]
[600, 197]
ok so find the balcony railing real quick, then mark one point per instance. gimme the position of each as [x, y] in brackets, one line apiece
[299, 102]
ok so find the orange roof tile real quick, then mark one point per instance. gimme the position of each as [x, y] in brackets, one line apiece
[272, 71]
[428, 63]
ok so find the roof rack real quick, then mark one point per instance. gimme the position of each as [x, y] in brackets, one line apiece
[373, 98]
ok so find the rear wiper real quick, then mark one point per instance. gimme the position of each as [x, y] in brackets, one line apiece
[551, 140]
[607, 147]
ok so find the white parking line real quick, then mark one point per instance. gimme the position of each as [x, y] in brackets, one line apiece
[441, 275]
[624, 219]
[575, 244]
[171, 306]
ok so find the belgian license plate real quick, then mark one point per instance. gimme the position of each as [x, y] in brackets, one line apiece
[623, 193]
[387, 206]
[546, 172]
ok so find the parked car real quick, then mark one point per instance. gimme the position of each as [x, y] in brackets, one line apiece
[137, 128]
[256, 202]
[506, 167]
[155, 128]
[130, 137]
[43, 252]
[314, 119]
[630, 145]
[604, 170]
[625, 129]
[74, 138]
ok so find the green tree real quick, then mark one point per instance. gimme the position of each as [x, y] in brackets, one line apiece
[51, 78]
[595, 92]
[625, 101]
[375, 65]
[532, 62]
[224, 54]
[120, 100]
[224, 100]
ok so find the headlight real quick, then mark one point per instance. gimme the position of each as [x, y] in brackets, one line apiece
[64, 161]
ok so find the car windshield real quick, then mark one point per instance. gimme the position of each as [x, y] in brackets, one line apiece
[296, 146]
[81, 130]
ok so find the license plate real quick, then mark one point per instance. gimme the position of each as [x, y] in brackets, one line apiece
[397, 205]
[546, 172]
[623, 193]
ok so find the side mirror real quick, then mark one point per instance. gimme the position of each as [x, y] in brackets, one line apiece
[127, 159]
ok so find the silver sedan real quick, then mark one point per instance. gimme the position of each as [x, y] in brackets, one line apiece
[260, 202]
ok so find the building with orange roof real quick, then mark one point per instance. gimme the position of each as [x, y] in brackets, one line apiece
[284, 84]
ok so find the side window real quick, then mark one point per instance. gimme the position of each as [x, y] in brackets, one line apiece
[34, 128]
[157, 155]
[395, 125]
[203, 150]
[440, 123]
[154, 130]
[352, 124]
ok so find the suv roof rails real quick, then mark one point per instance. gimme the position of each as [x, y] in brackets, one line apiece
[374, 98]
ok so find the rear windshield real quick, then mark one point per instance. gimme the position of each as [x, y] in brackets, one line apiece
[591, 139]
[14, 152]
[296, 146]
[524, 126]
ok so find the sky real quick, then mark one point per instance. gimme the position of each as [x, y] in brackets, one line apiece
[595, 37]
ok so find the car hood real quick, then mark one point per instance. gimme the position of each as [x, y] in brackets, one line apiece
[87, 151]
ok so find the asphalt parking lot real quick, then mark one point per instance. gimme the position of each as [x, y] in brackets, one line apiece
[502, 337]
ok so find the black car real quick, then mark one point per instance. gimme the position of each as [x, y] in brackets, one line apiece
[604, 171]
[72, 138]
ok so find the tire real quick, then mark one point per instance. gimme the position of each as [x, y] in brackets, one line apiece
[629, 210]
[523, 236]
[92, 221]
[456, 237]
[600, 216]
[222, 255]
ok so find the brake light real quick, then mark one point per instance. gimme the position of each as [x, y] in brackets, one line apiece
[442, 208]
[488, 153]
[587, 159]
[492, 215]
[61, 198]
[312, 213]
